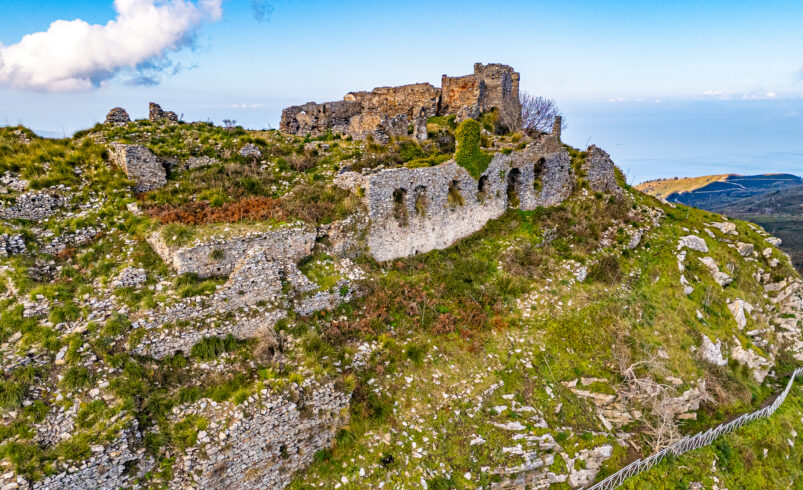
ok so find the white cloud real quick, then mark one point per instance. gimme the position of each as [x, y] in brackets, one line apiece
[75, 55]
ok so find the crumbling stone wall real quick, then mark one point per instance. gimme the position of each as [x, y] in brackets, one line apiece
[390, 111]
[261, 443]
[156, 114]
[217, 256]
[600, 171]
[106, 469]
[490, 86]
[117, 116]
[415, 210]
[139, 165]
[33, 206]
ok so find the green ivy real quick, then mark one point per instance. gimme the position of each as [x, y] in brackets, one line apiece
[468, 154]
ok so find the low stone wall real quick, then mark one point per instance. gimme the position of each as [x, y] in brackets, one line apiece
[261, 443]
[204, 259]
[33, 206]
[11, 244]
[106, 469]
[415, 210]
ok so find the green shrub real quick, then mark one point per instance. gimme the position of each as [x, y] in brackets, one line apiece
[468, 154]
[211, 347]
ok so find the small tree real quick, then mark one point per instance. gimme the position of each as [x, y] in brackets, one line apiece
[538, 114]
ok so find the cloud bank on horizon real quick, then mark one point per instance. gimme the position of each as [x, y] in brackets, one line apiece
[75, 55]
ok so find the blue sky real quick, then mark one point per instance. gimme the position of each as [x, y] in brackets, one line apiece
[684, 87]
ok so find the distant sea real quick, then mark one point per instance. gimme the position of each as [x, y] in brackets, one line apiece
[650, 140]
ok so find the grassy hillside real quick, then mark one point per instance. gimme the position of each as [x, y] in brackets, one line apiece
[663, 188]
[553, 346]
[712, 191]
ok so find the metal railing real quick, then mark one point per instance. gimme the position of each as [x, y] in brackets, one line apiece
[696, 441]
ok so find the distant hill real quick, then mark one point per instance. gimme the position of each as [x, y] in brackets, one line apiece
[774, 201]
[714, 191]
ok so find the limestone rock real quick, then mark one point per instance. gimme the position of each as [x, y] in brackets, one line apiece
[738, 309]
[250, 150]
[758, 365]
[693, 242]
[774, 241]
[712, 352]
[140, 165]
[745, 249]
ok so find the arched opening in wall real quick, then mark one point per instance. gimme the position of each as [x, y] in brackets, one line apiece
[482, 188]
[454, 197]
[400, 206]
[513, 186]
[421, 202]
[538, 173]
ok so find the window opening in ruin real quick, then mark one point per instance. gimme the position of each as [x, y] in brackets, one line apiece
[482, 188]
[400, 206]
[421, 202]
[455, 198]
[538, 173]
[513, 185]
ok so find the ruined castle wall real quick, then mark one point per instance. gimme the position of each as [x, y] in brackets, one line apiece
[462, 96]
[388, 111]
[501, 91]
[204, 259]
[313, 119]
[261, 443]
[413, 211]
[405, 99]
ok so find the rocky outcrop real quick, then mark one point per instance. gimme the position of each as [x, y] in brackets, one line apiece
[712, 352]
[117, 116]
[139, 165]
[415, 210]
[156, 114]
[392, 111]
[601, 171]
[261, 443]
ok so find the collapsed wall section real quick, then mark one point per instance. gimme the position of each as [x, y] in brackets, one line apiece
[261, 443]
[218, 255]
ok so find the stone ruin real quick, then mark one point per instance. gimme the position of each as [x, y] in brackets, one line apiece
[117, 116]
[139, 165]
[156, 114]
[415, 210]
[400, 111]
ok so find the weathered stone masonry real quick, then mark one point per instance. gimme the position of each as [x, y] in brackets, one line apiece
[217, 256]
[390, 111]
[415, 210]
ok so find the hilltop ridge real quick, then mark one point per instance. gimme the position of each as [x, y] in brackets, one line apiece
[185, 305]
